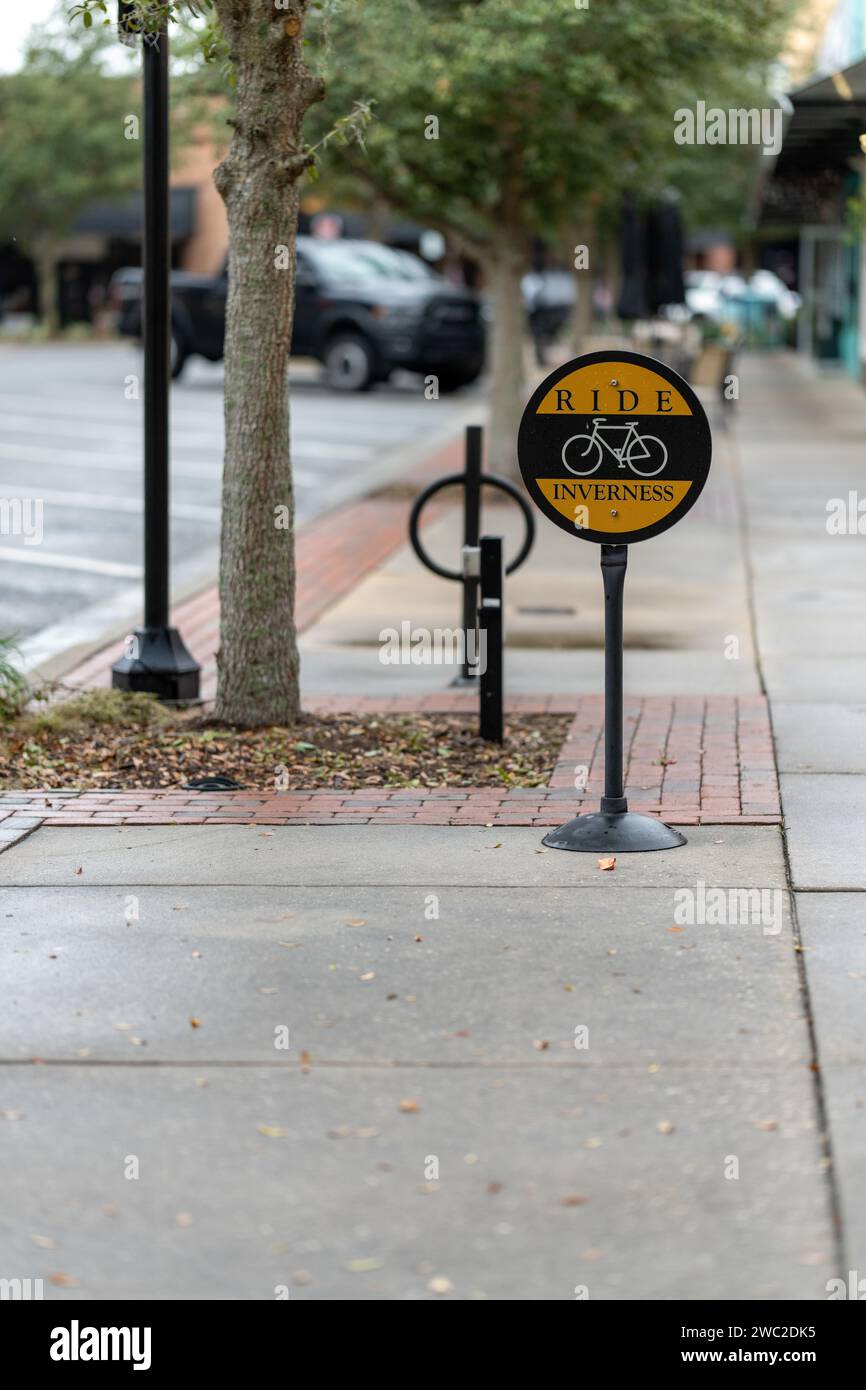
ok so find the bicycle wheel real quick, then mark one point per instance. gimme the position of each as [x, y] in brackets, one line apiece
[589, 449]
[653, 458]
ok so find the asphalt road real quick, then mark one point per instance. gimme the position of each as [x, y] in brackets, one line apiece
[70, 438]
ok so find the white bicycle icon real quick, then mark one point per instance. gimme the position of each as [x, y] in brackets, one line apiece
[636, 449]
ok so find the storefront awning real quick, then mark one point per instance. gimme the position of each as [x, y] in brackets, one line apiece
[821, 154]
[125, 219]
[828, 118]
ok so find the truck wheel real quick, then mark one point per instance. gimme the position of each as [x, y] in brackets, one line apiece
[179, 354]
[350, 364]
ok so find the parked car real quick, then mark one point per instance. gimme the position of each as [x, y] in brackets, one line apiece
[361, 309]
[725, 298]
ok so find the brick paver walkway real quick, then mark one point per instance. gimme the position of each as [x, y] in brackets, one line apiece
[691, 760]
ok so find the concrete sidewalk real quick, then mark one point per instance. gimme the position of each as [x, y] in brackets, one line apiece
[433, 1118]
[439, 1124]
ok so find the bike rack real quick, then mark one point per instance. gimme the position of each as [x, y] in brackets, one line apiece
[491, 618]
[469, 575]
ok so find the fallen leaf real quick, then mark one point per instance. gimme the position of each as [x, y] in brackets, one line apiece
[364, 1266]
[541, 1044]
[79, 871]
[766, 1125]
[665, 1127]
[439, 1284]
[62, 1281]
[356, 922]
[272, 1131]
[607, 863]
[572, 1199]
[370, 975]
[409, 1107]
[195, 1023]
[302, 1276]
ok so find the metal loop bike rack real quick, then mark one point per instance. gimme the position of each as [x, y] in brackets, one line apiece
[471, 480]
[462, 479]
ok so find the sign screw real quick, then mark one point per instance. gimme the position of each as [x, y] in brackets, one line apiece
[614, 383]
[613, 511]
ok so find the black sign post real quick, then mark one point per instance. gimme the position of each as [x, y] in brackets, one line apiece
[614, 448]
[155, 658]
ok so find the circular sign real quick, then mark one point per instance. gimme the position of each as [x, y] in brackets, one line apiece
[614, 447]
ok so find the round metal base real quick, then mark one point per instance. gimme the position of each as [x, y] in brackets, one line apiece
[628, 832]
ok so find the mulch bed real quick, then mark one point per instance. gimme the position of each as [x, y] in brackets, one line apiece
[338, 751]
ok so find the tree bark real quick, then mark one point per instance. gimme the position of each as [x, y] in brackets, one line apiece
[505, 263]
[45, 263]
[257, 662]
[581, 314]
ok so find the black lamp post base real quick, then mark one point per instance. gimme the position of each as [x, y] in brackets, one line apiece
[162, 666]
[624, 832]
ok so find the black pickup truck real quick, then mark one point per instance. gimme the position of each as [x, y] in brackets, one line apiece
[361, 309]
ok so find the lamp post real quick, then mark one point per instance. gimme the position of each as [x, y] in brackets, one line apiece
[155, 658]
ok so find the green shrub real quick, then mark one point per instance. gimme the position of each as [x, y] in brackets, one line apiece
[93, 708]
[14, 690]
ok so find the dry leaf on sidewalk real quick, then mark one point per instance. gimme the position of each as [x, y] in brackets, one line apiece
[607, 863]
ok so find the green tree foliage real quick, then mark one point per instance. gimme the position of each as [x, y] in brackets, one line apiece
[62, 133]
[544, 111]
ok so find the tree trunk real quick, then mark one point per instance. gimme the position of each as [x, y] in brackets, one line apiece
[45, 264]
[258, 180]
[505, 266]
[581, 315]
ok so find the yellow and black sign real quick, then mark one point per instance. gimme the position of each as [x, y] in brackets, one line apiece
[614, 447]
